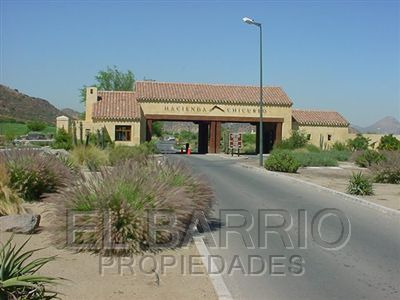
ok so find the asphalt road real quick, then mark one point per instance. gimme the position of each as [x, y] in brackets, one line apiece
[366, 267]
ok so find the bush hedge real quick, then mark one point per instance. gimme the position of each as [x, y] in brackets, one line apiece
[367, 157]
[282, 161]
[387, 170]
[297, 140]
[389, 142]
[315, 159]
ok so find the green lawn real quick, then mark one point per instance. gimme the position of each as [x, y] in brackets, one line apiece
[17, 129]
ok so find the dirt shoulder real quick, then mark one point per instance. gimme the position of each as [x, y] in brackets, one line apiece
[135, 280]
[337, 178]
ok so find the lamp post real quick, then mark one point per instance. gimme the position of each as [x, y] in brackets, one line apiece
[252, 22]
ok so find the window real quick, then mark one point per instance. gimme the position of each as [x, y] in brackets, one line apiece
[308, 136]
[122, 133]
[329, 137]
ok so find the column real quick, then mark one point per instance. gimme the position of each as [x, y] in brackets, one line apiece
[149, 130]
[278, 133]
[203, 138]
[215, 137]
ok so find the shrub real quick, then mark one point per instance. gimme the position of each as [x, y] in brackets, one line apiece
[358, 143]
[282, 161]
[338, 146]
[312, 148]
[33, 173]
[10, 201]
[367, 157]
[90, 157]
[62, 140]
[36, 125]
[315, 159]
[18, 279]
[359, 184]
[389, 142]
[297, 140]
[339, 155]
[387, 170]
[139, 152]
[128, 194]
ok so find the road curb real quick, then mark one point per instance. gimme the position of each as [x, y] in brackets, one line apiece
[378, 207]
[216, 279]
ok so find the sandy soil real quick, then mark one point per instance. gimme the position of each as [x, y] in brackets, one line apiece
[136, 280]
[337, 178]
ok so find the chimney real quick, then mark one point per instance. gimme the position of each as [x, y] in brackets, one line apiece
[91, 99]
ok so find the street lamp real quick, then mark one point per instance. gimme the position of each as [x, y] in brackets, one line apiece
[252, 22]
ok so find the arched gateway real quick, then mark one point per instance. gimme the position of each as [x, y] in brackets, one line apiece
[128, 116]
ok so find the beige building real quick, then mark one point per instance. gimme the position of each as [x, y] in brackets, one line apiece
[323, 128]
[128, 115]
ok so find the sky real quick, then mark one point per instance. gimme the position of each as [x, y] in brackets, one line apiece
[334, 55]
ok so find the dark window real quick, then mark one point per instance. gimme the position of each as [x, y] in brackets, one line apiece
[91, 91]
[308, 136]
[329, 137]
[122, 133]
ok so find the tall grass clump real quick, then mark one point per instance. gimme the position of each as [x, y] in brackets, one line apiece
[139, 152]
[33, 173]
[18, 274]
[360, 184]
[123, 200]
[10, 201]
[90, 157]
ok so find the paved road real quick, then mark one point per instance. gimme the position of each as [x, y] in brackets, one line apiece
[367, 267]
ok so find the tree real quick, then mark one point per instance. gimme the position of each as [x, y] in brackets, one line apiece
[157, 128]
[360, 142]
[36, 125]
[389, 142]
[62, 140]
[111, 79]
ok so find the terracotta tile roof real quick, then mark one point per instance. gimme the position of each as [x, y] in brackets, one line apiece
[209, 93]
[116, 105]
[319, 118]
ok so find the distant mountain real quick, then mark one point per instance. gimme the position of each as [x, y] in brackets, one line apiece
[71, 113]
[386, 125]
[21, 107]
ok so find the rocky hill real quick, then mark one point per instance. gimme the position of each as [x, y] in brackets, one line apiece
[21, 107]
[386, 125]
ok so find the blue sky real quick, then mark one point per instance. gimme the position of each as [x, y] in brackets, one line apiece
[339, 55]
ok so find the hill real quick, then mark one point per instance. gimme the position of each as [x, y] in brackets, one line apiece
[386, 125]
[21, 107]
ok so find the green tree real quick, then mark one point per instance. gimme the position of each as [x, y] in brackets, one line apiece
[157, 128]
[36, 125]
[62, 140]
[360, 142]
[389, 142]
[111, 79]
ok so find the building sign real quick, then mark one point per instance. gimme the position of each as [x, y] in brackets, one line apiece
[179, 108]
[235, 141]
